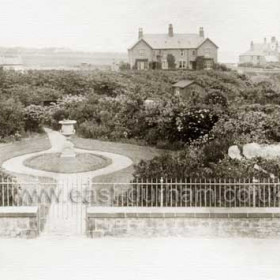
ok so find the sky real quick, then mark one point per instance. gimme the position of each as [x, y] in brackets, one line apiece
[112, 25]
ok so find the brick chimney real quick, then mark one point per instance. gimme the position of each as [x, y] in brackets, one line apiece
[201, 32]
[265, 41]
[252, 45]
[140, 33]
[170, 30]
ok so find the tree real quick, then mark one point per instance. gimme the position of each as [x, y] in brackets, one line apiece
[11, 117]
[171, 61]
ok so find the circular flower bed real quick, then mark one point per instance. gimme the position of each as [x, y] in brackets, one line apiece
[52, 162]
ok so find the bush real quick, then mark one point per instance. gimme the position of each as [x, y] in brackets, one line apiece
[34, 117]
[92, 130]
[11, 117]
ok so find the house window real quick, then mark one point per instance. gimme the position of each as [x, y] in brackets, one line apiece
[177, 91]
[207, 51]
[194, 52]
[141, 52]
[182, 53]
[208, 64]
[164, 64]
[182, 64]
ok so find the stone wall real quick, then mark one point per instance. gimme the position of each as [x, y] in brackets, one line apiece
[183, 222]
[19, 222]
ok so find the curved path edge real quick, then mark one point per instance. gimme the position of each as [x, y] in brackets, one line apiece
[16, 164]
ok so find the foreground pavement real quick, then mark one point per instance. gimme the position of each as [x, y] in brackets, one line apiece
[133, 259]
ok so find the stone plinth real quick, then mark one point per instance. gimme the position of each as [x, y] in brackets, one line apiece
[19, 221]
[67, 130]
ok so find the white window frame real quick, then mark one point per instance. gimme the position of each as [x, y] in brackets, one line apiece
[182, 64]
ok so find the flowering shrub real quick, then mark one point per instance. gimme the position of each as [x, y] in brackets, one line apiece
[34, 117]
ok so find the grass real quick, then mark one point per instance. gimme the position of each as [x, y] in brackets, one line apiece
[53, 162]
[134, 152]
[25, 146]
[33, 144]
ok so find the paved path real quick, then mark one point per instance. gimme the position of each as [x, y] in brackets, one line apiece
[66, 217]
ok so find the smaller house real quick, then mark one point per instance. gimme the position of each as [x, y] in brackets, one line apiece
[261, 54]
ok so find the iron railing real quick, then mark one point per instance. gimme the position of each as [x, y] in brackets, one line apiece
[199, 193]
[145, 193]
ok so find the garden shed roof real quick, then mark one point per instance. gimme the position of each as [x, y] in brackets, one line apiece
[183, 83]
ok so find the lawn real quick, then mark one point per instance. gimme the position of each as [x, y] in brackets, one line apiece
[36, 143]
[134, 152]
[29, 145]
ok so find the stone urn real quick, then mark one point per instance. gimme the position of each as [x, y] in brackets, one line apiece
[67, 130]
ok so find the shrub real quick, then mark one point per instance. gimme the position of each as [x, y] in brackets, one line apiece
[216, 97]
[34, 117]
[11, 117]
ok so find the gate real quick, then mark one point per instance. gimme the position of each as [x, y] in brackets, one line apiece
[62, 208]
[61, 204]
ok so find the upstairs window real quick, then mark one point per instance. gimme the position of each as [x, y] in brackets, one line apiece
[182, 53]
[142, 52]
[207, 51]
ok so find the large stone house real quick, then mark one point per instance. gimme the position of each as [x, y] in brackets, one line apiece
[261, 53]
[172, 51]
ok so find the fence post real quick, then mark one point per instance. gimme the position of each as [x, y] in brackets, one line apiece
[254, 191]
[161, 192]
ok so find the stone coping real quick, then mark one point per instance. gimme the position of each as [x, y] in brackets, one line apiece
[18, 211]
[182, 212]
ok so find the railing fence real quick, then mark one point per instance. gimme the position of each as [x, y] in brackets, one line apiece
[146, 193]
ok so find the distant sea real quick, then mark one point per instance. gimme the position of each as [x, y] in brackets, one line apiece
[62, 58]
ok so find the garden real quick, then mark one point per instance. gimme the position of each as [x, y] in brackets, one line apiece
[227, 109]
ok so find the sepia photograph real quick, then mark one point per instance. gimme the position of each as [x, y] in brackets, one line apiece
[139, 140]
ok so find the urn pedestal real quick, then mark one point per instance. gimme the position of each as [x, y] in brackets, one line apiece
[67, 130]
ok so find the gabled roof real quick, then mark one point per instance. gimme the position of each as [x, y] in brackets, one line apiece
[260, 49]
[183, 83]
[177, 41]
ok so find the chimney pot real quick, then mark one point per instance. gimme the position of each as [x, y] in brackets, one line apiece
[201, 32]
[252, 45]
[170, 30]
[140, 33]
